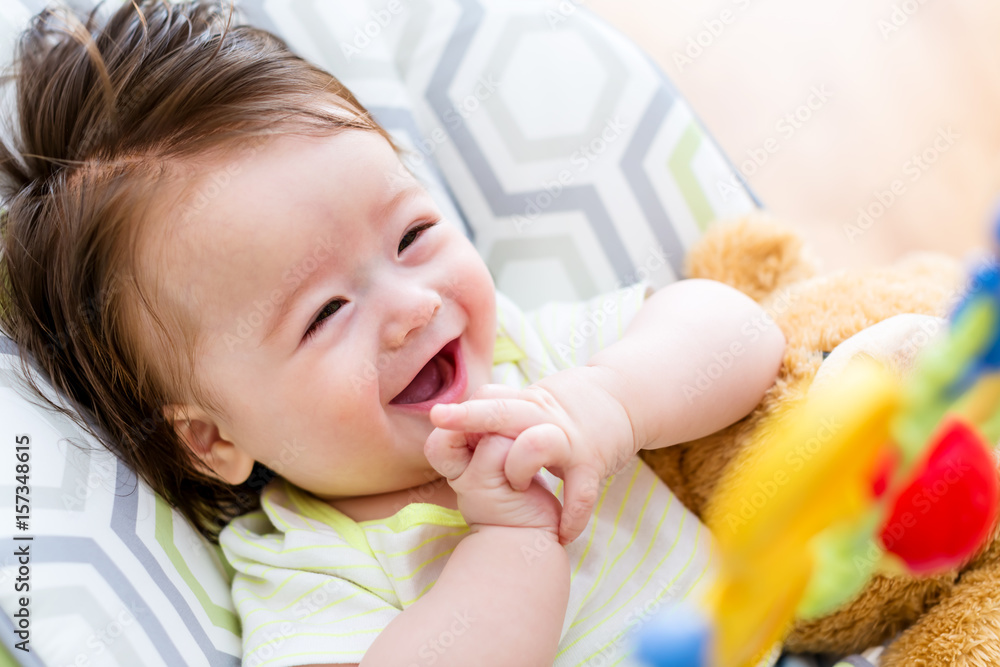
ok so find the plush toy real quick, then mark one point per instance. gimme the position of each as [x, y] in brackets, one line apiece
[949, 619]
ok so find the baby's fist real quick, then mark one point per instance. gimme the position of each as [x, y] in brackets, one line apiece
[485, 497]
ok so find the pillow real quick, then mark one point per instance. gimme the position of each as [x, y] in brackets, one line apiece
[114, 574]
[555, 144]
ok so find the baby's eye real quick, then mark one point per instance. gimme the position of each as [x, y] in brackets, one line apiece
[412, 235]
[328, 310]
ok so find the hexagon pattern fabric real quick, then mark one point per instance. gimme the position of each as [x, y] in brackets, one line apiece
[560, 149]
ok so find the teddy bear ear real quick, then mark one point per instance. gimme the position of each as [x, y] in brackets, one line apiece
[753, 254]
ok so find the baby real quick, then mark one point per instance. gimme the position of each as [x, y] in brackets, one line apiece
[213, 249]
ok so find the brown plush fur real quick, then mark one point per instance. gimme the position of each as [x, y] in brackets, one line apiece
[951, 619]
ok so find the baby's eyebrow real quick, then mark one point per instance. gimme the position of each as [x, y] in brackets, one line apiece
[384, 210]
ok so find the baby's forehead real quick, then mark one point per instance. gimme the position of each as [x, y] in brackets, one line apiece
[233, 222]
[201, 178]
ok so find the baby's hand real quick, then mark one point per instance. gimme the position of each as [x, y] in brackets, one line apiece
[568, 422]
[484, 495]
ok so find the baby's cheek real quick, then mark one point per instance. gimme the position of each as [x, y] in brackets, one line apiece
[476, 290]
[347, 402]
[480, 365]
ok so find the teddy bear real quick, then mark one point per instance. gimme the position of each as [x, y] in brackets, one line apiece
[949, 619]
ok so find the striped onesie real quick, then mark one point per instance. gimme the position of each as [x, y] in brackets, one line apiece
[314, 586]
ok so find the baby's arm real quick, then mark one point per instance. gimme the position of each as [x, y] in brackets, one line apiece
[697, 357]
[502, 596]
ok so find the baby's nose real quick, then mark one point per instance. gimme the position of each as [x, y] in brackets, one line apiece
[412, 317]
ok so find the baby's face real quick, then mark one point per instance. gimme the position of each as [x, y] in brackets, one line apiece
[335, 307]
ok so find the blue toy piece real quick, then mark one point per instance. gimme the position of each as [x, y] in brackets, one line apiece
[677, 637]
[984, 285]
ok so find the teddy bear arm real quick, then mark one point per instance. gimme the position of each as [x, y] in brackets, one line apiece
[886, 606]
[963, 630]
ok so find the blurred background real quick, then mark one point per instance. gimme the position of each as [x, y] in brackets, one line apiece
[871, 125]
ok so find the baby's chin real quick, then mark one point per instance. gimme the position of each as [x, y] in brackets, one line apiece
[436, 492]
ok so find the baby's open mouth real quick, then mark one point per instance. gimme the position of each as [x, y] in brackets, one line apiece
[434, 378]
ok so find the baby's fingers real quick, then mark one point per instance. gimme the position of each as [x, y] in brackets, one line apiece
[582, 488]
[454, 415]
[537, 447]
[494, 391]
[448, 452]
[504, 416]
[485, 471]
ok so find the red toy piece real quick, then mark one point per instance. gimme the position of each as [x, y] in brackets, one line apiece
[949, 508]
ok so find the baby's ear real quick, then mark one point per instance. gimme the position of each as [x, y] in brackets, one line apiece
[219, 457]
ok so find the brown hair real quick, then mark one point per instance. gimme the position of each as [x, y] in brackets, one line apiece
[106, 112]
